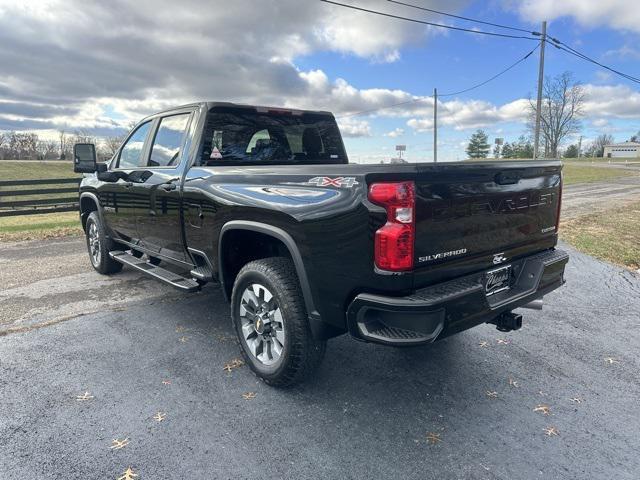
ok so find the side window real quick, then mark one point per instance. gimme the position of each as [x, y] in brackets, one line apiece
[166, 145]
[131, 153]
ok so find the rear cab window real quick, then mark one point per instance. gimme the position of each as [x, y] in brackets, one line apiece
[236, 136]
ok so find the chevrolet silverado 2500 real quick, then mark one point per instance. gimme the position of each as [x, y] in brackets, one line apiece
[306, 246]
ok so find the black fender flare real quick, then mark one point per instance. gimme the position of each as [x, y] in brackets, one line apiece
[95, 200]
[290, 244]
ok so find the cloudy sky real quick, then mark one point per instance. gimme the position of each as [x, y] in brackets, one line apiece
[100, 65]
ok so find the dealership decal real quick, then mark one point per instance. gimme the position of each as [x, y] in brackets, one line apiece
[347, 182]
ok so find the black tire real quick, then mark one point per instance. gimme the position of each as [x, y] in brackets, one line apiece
[300, 353]
[100, 259]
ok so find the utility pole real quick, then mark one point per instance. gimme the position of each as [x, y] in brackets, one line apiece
[536, 140]
[580, 147]
[435, 125]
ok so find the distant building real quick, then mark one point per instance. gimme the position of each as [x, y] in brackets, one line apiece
[618, 150]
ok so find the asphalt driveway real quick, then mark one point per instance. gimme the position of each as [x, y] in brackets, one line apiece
[86, 359]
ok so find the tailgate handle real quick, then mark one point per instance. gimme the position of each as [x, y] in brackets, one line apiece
[507, 178]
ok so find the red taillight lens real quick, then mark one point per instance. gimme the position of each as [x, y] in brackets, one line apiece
[394, 241]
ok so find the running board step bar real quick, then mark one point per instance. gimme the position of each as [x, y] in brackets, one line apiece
[178, 281]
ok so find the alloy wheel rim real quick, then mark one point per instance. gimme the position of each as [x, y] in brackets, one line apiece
[262, 324]
[94, 244]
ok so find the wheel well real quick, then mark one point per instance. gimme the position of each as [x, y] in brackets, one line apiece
[240, 247]
[87, 205]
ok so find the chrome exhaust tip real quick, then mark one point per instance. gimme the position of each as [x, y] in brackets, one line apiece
[534, 305]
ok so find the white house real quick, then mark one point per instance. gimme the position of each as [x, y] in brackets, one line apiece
[626, 149]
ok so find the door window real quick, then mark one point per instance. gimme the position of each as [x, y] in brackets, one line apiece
[166, 145]
[131, 152]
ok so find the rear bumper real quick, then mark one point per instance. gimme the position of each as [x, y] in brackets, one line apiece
[444, 309]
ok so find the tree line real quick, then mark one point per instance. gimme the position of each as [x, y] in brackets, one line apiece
[29, 146]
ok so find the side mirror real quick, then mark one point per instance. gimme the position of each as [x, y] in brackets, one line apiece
[84, 158]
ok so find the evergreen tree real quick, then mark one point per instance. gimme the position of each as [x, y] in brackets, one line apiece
[571, 151]
[507, 150]
[478, 145]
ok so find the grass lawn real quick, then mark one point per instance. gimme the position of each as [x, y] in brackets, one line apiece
[576, 173]
[31, 227]
[612, 235]
[32, 170]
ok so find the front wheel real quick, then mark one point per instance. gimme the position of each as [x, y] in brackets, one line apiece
[99, 245]
[270, 320]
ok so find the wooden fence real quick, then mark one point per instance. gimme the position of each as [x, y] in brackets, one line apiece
[29, 197]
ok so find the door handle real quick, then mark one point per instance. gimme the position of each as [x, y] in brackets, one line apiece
[128, 184]
[168, 187]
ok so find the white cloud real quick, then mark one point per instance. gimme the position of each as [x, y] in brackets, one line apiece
[613, 101]
[618, 14]
[114, 59]
[350, 127]
[395, 133]
[626, 52]
[472, 114]
[100, 75]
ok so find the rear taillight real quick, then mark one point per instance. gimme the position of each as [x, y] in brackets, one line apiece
[559, 203]
[394, 241]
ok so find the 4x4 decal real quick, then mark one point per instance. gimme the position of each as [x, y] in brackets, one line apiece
[333, 182]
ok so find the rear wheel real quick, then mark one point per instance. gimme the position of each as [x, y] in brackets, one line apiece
[99, 245]
[270, 319]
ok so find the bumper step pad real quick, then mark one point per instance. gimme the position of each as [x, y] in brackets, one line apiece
[174, 279]
[443, 309]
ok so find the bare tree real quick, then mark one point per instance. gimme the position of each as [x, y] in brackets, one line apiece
[596, 149]
[562, 107]
[47, 149]
[111, 145]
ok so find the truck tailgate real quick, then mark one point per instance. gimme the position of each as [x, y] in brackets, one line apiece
[485, 213]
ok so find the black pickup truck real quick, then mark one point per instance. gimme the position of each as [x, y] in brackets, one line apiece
[305, 245]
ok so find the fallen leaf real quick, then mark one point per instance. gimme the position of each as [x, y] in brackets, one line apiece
[611, 360]
[492, 394]
[183, 339]
[433, 438]
[235, 363]
[118, 444]
[159, 416]
[484, 344]
[576, 400]
[544, 409]
[502, 341]
[128, 474]
[180, 329]
[166, 382]
[84, 397]
[549, 431]
[513, 383]
[249, 395]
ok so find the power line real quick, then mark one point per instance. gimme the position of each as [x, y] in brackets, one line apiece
[572, 51]
[416, 100]
[475, 20]
[424, 22]
[492, 78]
